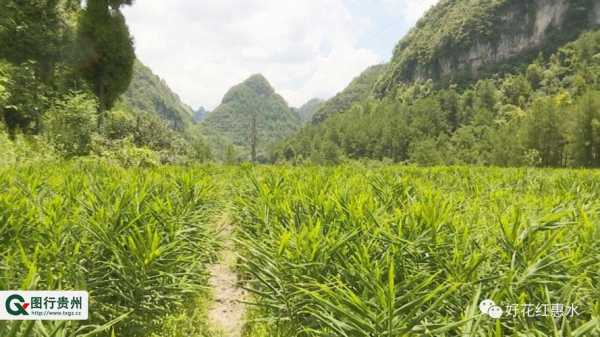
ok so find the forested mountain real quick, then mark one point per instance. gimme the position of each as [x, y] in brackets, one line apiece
[358, 90]
[200, 114]
[462, 39]
[540, 111]
[252, 116]
[308, 110]
[148, 93]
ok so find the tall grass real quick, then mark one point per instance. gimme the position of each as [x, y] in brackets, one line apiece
[137, 240]
[411, 252]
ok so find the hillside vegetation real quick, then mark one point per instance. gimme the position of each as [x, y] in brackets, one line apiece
[464, 39]
[70, 86]
[150, 94]
[200, 114]
[546, 114]
[309, 109]
[252, 116]
[358, 90]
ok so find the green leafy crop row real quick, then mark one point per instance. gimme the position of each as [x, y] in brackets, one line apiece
[399, 251]
[137, 240]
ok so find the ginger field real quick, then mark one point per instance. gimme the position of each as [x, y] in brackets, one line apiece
[340, 251]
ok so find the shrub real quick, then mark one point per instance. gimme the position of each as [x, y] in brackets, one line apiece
[70, 123]
[23, 149]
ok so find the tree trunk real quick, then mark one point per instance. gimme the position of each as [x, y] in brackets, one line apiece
[253, 138]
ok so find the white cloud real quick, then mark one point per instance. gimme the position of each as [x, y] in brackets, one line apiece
[306, 48]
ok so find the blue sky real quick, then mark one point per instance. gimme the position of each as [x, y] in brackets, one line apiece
[306, 49]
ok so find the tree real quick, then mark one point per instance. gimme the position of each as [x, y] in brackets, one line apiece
[516, 90]
[253, 135]
[33, 31]
[70, 123]
[330, 152]
[587, 130]
[543, 132]
[200, 151]
[428, 152]
[449, 102]
[107, 55]
[535, 75]
[230, 155]
[152, 132]
[24, 99]
[506, 145]
[3, 83]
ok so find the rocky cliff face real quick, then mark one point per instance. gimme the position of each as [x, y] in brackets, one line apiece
[525, 32]
[521, 32]
[492, 35]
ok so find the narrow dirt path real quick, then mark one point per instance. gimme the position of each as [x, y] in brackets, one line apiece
[226, 314]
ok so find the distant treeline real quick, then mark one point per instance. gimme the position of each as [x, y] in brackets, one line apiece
[547, 114]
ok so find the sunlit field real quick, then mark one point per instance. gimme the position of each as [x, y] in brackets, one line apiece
[412, 252]
[340, 251]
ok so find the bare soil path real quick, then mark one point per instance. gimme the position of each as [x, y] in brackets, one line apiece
[226, 313]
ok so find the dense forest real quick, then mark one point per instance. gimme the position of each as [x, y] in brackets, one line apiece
[70, 86]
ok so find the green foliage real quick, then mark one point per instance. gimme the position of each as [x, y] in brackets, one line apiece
[119, 123]
[54, 48]
[4, 81]
[139, 139]
[358, 90]
[252, 103]
[25, 98]
[107, 54]
[230, 156]
[428, 152]
[587, 122]
[403, 251]
[200, 150]
[125, 153]
[34, 31]
[138, 240]
[544, 132]
[152, 132]
[20, 149]
[309, 109]
[149, 94]
[70, 123]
